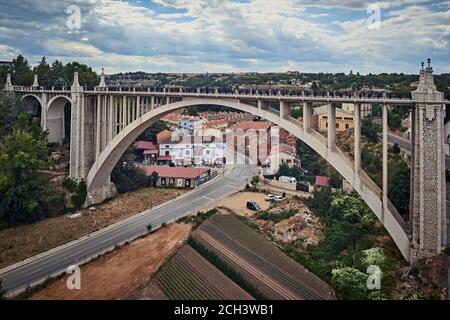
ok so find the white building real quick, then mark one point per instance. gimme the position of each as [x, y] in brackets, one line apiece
[189, 124]
[194, 150]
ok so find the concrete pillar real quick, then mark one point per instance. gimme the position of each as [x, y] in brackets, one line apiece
[105, 122]
[167, 100]
[111, 120]
[75, 154]
[129, 106]
[124, 112]
[133, 109]
[357, 140]
[385, 160]
[428, 211]
[152, 102]
[83, 172]
[285, 109]
[98, 131]
[35, 81]
[307, 116]
[331, 126]
[138, 107]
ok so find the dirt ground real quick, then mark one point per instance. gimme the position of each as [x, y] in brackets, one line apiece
[238, 202]
[113, 275]
[17, 244]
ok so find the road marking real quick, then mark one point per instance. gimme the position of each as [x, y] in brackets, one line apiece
[207, 198]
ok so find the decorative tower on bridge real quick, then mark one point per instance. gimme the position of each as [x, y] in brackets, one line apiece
[428, 197]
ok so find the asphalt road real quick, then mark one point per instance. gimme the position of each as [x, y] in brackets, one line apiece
[406, 145]
[100, 241]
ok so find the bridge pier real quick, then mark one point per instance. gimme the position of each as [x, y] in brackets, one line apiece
[428, 196]
[331, 134]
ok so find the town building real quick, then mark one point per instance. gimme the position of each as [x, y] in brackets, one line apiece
[365, 109]
[146, 152]
[179, 177]
[344, 119]
[188, 123]
[192, 150]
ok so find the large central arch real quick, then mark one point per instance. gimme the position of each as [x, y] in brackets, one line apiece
[100, 171]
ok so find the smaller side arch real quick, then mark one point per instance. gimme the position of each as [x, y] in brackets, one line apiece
[56, 119]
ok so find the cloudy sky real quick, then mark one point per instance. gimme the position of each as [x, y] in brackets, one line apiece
[230, 35]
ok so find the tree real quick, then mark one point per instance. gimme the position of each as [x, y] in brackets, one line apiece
[255, 180]
[320, 201]
[370, 130]
[373, 256]
[399, 185]
[58, 76]
[22, 190]
[21, 72]
[396, 149]
[150, 134]
[154, 179]
[10, 108]
[297, 113]
[354, 216]
[43, 71]
[350, 283]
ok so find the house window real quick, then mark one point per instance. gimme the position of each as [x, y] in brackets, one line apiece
[337, 125]
[347, 126]
[187, 183]
[163, 181]
[167, 153]
[171, 182]
[208, 152]
[188, 152]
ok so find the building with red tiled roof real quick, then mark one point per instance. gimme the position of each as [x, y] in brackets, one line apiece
[164, 136]
[145, 145]
[179, 177]
[256, 125]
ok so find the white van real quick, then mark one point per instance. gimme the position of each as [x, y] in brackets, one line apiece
[286, 179]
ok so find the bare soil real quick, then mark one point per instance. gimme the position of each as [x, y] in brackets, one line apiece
[19, 243]
[113, 275]
[238, 202]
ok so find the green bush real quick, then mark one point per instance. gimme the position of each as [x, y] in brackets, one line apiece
[350, 283]
[277, 217]
[129, 178]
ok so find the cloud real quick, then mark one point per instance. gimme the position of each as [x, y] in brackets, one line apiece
[227, 35]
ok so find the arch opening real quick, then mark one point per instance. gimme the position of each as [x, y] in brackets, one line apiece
[58, 119]
[100, 171]
[33, 107]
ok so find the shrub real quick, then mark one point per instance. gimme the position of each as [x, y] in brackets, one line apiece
[350, 283]
[373, 256]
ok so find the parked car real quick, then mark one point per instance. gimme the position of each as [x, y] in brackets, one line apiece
[252, 205]
[270, 197]
[278, 198]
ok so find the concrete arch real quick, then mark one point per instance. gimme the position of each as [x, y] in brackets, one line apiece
[55, 120]
[368, 190]
[38, 99]
[58, 97]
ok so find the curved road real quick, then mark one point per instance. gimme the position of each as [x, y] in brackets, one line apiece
[17, 277]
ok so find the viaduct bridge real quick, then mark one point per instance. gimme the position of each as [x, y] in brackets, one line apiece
[105, 121]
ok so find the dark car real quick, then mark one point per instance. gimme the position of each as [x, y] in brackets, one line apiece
[252, 205]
